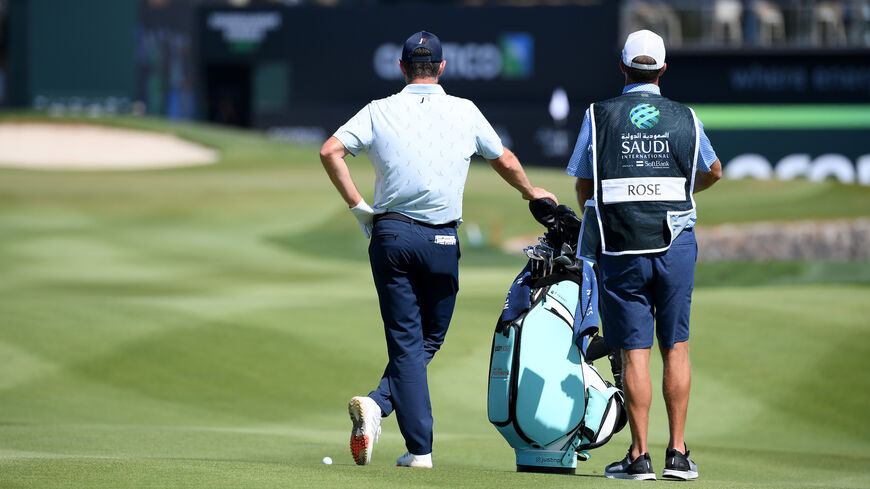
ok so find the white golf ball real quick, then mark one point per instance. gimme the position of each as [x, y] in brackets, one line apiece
[327, 461]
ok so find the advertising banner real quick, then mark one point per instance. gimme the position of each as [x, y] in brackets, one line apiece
[299, 73]
[786, 154]
[531, 71]
[351, 55]
[769, 76]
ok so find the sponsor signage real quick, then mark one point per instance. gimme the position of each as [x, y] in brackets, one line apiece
[801, 165]
[510, 57]
[817, 154]
[533, 72]
[767, 76]
[645, 150]
[493, 54]
[243, 26]
[513, 63]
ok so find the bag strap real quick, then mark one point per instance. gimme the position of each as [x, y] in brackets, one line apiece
[570, 448]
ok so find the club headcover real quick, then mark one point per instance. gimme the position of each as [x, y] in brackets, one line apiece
[544, 211]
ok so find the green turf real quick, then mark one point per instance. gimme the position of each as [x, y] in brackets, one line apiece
[205, 327]
[784, 116]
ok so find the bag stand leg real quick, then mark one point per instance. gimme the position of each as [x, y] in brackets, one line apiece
[545, 461]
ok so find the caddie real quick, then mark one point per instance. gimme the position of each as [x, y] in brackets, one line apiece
[420, 142]
[639, 158]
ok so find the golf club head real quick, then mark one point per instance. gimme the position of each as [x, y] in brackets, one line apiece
[543, 243]
[544, 251]
[532, 253]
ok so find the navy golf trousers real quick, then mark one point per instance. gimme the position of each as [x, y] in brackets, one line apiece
[416, 273]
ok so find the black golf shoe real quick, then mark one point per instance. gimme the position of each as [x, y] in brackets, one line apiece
[639, 469]
[679, 466]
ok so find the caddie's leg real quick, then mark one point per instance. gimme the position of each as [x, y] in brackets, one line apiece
[675, 280]
[675, 387]
[627, 316]
[638, 397]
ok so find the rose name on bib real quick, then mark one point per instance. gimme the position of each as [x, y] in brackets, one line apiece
[617, 190]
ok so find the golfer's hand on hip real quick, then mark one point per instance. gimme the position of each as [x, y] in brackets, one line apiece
[365, 215]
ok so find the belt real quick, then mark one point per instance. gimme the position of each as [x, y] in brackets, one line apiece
[395, 216]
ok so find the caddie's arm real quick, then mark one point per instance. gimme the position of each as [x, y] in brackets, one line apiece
[509, 168]
[584, 189]
[705, 180]
[332, 156]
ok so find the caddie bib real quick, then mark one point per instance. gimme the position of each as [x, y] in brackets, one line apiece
[645, 151]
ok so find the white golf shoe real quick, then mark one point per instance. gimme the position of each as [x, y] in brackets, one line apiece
[366, 417]
[411, 460]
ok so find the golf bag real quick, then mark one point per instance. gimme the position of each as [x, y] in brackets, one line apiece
[545, 398]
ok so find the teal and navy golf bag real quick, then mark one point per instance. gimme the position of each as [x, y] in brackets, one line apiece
[547, 401]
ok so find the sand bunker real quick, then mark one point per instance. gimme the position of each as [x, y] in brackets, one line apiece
[44, 146]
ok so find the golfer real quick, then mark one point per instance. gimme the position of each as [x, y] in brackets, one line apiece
[638, 159]
[420, 142]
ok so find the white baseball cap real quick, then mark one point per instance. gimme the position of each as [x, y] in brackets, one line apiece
[644, 43]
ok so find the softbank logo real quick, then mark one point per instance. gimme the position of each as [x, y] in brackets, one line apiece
[512, 57]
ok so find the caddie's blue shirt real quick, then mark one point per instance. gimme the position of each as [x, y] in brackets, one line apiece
[580, 164]
[420, 142]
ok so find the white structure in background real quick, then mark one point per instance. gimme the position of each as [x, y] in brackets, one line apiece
[771, 23]
[829, 24]
[830, 165]
[656, 16]
[728, 22]
[556, 141]
[559, 106]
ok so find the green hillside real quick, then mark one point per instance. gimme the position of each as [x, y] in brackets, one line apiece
[205, 327]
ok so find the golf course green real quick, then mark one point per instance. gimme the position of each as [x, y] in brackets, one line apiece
[204, 327]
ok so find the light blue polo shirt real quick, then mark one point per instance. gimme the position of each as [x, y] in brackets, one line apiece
[420, 142]
[580, 164]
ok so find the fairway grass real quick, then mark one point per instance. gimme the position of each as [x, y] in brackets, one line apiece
[205, 327]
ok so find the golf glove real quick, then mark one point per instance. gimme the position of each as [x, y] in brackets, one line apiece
[365, 215]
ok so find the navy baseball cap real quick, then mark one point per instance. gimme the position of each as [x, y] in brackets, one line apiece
[426, 40]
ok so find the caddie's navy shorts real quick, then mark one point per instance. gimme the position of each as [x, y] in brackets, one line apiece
[650, 292]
